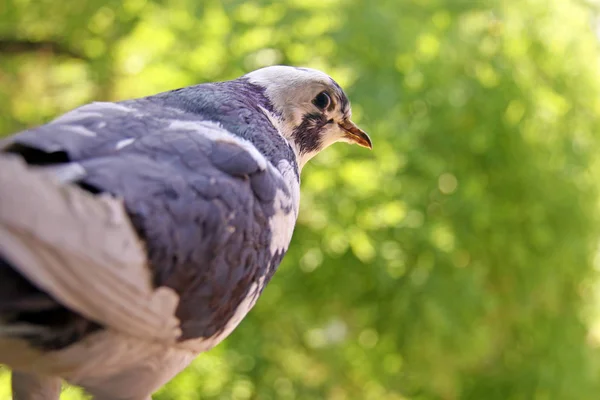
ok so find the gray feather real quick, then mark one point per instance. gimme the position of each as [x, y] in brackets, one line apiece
[194, 171]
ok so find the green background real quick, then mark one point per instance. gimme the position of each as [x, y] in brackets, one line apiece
[457, 260]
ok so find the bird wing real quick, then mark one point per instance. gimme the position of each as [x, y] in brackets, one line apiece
[83, 250]
[144, 218]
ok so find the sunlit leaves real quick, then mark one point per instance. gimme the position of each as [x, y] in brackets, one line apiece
[447, 263]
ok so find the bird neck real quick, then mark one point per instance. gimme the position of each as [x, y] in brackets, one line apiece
[287, 132]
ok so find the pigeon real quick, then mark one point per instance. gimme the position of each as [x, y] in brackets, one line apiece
[135, 235]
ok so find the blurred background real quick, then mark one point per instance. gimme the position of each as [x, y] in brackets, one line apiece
[458, 260]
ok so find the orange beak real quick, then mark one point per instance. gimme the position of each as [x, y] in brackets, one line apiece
[355, 134]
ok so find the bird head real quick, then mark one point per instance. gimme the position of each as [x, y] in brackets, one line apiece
[310, 109]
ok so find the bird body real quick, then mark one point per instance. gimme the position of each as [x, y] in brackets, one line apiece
[136, 235]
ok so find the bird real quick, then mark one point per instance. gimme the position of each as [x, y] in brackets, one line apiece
[135, 235]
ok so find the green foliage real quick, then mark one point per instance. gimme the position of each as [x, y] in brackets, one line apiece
[455, 261]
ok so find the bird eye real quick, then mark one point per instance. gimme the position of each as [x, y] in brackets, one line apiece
[322, 101]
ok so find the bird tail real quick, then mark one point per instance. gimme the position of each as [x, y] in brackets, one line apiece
[17, 294]
[27, 311]
[62, 244]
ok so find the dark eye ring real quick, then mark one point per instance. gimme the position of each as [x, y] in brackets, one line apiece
[322, 101]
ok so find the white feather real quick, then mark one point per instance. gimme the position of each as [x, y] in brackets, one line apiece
[216, 132]
[96, 109]
[83, 131]
[286, 209]
[124, 143]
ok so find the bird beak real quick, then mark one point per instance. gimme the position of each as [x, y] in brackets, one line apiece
[355, 135]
